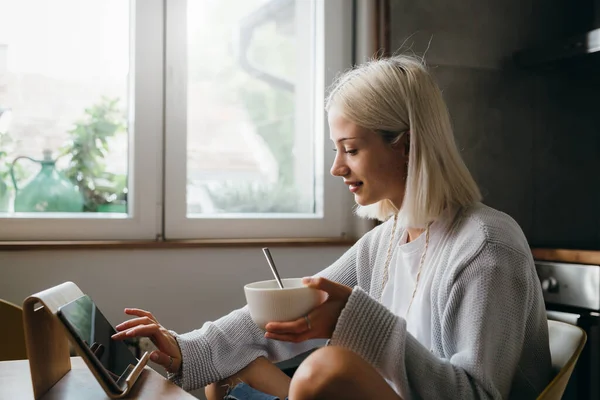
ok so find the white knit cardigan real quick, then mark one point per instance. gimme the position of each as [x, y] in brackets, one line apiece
[489, 333]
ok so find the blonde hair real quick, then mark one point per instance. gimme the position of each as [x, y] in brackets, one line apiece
[394, 95]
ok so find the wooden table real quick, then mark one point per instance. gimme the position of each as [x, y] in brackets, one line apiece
[80, 384]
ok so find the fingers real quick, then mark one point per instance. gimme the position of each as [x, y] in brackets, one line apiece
[138, 331]
[298, 326]
[293, 331]
[120, 335]
[140, 313]
[125, 329]
[134, 322]
[334, 289]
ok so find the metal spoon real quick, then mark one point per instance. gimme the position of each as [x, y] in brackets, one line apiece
[272, 265]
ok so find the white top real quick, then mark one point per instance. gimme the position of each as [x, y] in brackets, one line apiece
[402, 278]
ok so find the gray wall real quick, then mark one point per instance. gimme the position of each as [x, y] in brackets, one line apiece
[530, 137]
[184, 287]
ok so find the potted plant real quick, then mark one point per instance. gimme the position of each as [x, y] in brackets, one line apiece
[88, 145]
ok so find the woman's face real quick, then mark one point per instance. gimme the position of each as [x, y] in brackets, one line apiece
[373, 169]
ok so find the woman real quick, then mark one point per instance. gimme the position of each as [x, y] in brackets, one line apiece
[440, 301]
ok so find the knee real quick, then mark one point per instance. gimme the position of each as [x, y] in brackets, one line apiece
[321, 374]
[218, 390]
[215, 391]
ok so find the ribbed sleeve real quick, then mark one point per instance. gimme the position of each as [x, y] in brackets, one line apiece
[194, 343]
[363, 326]
[221, 348]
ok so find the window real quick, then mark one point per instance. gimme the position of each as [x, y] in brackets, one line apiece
[75, 79]
[182, 119]
[65, 103]
[247, 149]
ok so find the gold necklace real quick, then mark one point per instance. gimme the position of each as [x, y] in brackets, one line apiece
[389, 257]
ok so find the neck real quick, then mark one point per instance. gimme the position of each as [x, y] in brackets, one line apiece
[414, 233]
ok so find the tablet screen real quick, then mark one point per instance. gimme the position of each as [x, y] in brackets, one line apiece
[91, 329]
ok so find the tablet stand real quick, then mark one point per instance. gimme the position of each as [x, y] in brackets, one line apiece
[47, 342]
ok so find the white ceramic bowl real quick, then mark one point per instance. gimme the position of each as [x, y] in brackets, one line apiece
[268, 303]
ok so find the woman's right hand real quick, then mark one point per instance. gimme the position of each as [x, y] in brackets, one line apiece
[145, 325]
[321, 321]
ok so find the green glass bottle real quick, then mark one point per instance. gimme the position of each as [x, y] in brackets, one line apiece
[4, 196]
[49, 191]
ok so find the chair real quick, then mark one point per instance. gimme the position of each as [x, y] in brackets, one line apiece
[12, 334]
[566, 343]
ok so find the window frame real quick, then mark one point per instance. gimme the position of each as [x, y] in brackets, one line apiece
[157, 152]
[334, 23]
[145, 148]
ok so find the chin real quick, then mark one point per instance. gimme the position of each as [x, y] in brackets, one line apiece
[364, 201]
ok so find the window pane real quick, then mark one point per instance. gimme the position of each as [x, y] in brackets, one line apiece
[64, 71]
[250, 144]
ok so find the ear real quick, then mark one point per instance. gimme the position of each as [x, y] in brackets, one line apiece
[403, 145]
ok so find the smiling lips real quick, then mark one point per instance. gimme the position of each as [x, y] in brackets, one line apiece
[354, 186]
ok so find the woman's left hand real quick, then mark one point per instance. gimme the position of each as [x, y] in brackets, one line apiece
[320, 322]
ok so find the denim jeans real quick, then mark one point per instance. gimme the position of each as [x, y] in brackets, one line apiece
[245, 392]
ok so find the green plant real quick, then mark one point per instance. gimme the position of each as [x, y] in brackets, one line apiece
[5, 140]
[4, 167]
[6, 143]
[87, 148]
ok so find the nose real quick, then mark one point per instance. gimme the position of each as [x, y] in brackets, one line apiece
[339, 167]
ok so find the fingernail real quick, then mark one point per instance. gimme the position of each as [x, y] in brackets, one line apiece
[154, 357]
[307, 279]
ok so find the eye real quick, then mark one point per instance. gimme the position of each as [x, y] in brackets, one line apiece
[351, 152]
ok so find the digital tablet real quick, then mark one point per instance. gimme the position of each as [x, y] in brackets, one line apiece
[112, 359]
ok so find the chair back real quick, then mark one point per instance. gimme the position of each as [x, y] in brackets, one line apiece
[566, 343]
[12, 334]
